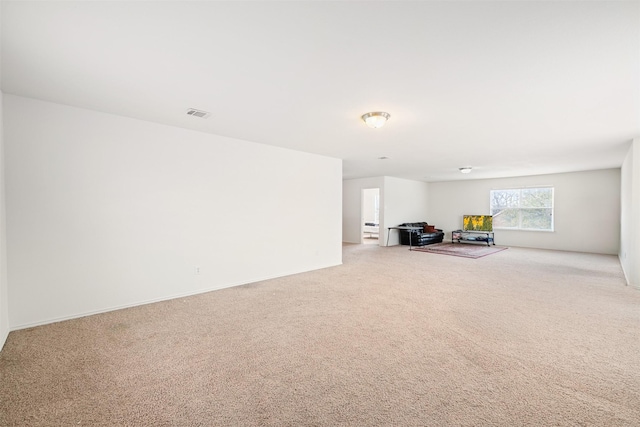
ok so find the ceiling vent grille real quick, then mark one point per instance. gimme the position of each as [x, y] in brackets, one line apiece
[198, 113]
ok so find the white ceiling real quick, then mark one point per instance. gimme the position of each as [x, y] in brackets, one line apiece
[509, 88]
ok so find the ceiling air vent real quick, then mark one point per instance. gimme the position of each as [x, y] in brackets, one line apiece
[198, 113]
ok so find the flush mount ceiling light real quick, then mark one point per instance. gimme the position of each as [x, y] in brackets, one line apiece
[375, 119]
[466, 169]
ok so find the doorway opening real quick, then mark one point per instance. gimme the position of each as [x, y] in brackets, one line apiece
[370, 218]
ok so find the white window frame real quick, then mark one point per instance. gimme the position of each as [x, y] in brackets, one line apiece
[519, 227]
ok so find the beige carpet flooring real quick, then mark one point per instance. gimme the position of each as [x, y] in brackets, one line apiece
[391, 338]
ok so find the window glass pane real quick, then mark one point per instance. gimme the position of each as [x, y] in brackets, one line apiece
[505, 218]
[522, 208]
[536, 198]
[539, 219]
[505, 198]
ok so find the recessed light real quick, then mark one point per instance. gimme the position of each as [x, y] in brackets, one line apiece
[383, 158]
[466, 169]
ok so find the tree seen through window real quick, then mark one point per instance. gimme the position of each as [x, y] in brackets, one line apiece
[523, 208]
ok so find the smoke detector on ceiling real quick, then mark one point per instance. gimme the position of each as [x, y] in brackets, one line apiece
[198, 113]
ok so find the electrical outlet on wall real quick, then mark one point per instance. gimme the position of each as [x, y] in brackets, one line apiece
[196, 270]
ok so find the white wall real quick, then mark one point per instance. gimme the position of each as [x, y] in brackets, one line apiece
[105, 212]
[401, 200]
[629, 253]
[405, 201]
[587, 209]
[4, 291]
[4, 302]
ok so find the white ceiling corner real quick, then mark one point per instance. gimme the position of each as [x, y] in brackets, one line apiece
[509, 88]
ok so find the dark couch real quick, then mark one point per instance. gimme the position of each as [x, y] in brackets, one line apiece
[420, 237]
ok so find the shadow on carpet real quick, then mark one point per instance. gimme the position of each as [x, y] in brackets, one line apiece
[465, 250]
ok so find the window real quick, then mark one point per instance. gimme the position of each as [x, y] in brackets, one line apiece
[523, 208]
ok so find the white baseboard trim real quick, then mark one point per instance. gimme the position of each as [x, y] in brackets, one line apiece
[154, 300]
[626, 276]
[3, 338]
